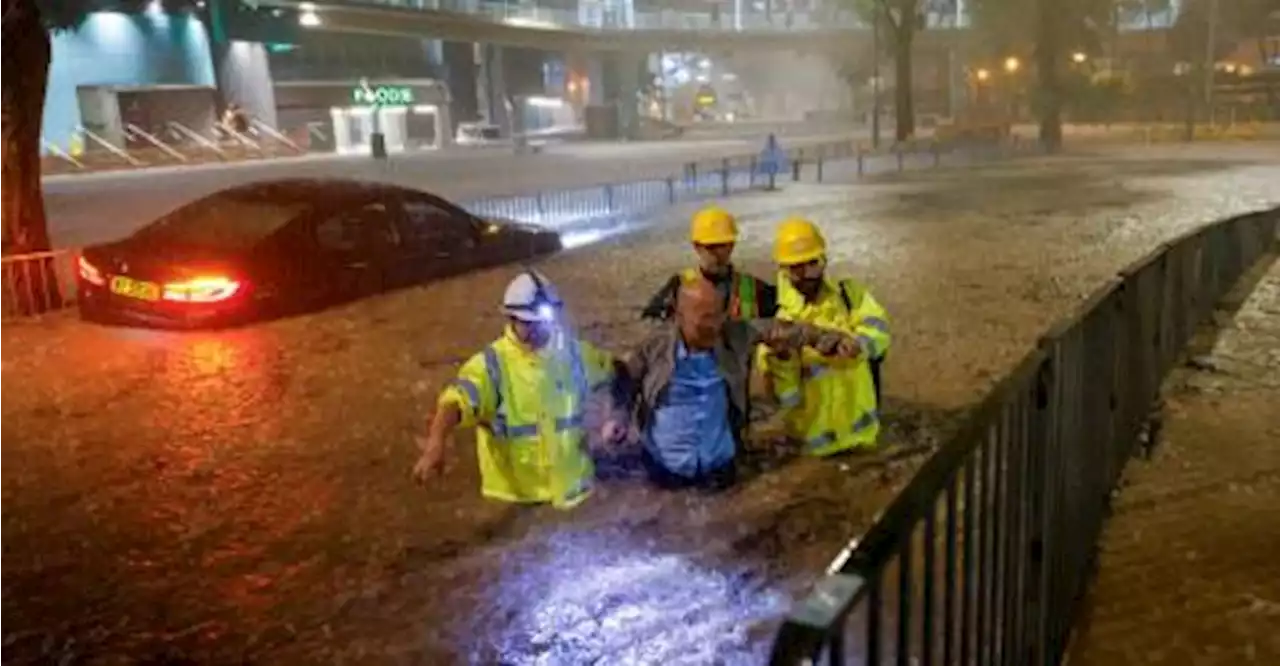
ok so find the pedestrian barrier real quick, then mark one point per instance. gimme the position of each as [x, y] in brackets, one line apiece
[566, 208]
[38, 282]
[985, 556]
[45, 281]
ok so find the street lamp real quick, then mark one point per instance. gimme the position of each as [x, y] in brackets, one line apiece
[1011, 64]
[1079, 57]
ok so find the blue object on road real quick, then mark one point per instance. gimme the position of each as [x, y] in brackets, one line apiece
[772, 160]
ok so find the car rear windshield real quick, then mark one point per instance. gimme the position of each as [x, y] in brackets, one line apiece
[224, 221]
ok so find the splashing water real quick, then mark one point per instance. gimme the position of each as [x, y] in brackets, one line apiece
[601, 599]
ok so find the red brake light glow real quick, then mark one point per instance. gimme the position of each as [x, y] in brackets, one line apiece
[205, 289]
[90, 273]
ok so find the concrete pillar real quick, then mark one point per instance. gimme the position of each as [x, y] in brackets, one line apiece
[492, 86]
[244, 77]
[461, 75]
[622, 81]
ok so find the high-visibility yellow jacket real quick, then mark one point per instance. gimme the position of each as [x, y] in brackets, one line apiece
[527, 407]
[831, 402]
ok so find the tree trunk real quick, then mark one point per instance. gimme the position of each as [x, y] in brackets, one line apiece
[903, 104]
[1048, 60]
[1269, 88]
[32, 286]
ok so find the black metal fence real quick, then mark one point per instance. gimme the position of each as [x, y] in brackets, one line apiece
[986, 554]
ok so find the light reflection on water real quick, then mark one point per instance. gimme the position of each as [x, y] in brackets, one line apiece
[603, 599]
[582, 236]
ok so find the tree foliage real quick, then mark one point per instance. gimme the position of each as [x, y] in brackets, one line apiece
[1010, 27]
[898, 22]
[1238, 21]
[1047, 31]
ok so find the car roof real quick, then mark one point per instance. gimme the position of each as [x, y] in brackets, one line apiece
[312, 190]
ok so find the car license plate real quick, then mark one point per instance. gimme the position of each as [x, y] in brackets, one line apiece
[147, 291]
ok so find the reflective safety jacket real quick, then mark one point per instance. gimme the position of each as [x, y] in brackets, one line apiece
[527, 407]
[746, 296]
[831, 402]
[744, 302]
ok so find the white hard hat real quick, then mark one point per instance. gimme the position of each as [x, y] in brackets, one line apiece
[531, 297]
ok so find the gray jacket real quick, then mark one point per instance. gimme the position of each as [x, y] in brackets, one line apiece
[646, 372]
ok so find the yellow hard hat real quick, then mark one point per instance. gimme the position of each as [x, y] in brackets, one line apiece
[798, 241]
[713, 226]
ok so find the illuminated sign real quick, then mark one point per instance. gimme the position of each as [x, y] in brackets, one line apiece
[706, 96]
[382, 95]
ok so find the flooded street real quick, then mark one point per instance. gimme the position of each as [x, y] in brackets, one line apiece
[244, 496]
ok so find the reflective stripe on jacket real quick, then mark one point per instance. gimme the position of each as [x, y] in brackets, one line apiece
[831, 402]
[527, 407]
[744, 302]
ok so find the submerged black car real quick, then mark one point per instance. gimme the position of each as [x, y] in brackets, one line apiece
[285, 246]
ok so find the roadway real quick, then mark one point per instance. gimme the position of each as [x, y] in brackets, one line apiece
[242, 496]
[90, 208]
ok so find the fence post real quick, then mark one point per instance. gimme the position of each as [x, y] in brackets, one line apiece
[795, 166]
[1039, 503]
[671, 190]
[859, 156]
[937, 154]
[820, 162]
[724, 176]
[608, 198]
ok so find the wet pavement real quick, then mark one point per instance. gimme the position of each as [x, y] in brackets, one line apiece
[243, 496]
[94, 208]
[1187, 571]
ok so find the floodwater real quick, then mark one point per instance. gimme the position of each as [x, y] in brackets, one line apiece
[243, 496]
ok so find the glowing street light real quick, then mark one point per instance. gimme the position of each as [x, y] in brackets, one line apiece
[1011, 64]
[982, 74]
[1079, 57]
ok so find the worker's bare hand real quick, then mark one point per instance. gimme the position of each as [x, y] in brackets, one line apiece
[430, 464]
[427, 468]
[849, 348]
[613, 431]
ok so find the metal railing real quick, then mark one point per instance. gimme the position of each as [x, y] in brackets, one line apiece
[844, 160]
[985, 556]
[829, 16]
[45, 281]
[38, 282]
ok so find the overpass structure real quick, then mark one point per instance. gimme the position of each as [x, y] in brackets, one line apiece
[821, 30]
[609, 51]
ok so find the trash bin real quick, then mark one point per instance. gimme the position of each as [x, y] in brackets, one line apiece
[378, 145]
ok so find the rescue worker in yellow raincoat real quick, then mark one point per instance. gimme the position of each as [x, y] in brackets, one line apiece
[714, 234]
[525, 394]
[832, 403]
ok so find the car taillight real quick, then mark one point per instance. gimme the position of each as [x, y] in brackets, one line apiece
[90, 273]
[209, 289]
